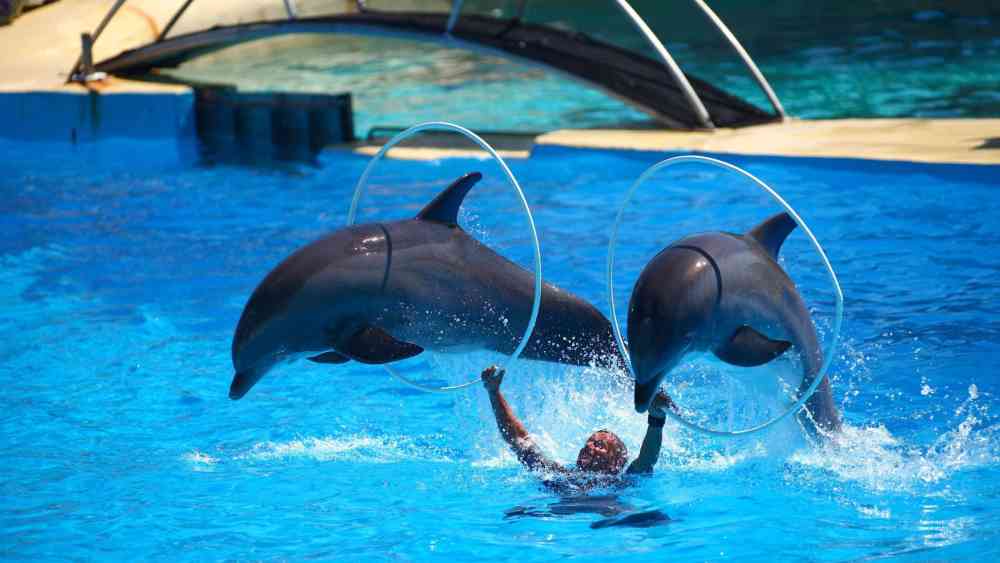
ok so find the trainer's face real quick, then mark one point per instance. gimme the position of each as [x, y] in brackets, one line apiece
[601, 454]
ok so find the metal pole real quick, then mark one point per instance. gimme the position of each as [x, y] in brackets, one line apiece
[456, 8]
[290, 8]
[758, 76]
[86, 54]
[173, 20]
[97, 33]
[692, 97]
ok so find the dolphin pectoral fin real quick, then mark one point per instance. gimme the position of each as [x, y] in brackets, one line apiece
[749, 348]
[372, 345]
[773, 232]
[329, 358]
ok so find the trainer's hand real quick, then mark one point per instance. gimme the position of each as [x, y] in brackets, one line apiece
[492, 378]
[661, 402]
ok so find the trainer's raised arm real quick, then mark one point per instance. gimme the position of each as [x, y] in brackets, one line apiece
[650, 450]
[511, 428]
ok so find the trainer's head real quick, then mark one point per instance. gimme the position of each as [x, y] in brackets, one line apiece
[604, 452]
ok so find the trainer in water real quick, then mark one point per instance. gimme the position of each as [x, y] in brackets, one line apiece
[600, 461]
[382, 292]
[725, 293]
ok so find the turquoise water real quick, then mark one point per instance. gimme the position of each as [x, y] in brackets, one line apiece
[123, 282]
[908, 63]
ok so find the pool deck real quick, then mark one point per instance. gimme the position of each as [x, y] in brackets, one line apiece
[956, 141]
[966, 141]
[40, 47]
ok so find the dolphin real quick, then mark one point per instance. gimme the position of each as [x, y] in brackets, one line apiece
[726, 293]
[382, 292]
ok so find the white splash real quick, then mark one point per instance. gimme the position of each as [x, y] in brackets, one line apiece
[874, 512]
[355, 448]
[877, 460]
[200, 461]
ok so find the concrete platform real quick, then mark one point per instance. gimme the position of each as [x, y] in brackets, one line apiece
[966, 141]
[955, 141]
[40, 47]
[117, 110]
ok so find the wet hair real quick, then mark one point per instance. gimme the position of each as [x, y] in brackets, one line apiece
[617, 454]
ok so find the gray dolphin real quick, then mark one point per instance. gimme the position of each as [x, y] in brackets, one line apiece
[382, 292]
[725, 293]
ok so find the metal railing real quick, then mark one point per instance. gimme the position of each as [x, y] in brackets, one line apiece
[81, 71]
[751, 66]
[78, 72]
[697, 106]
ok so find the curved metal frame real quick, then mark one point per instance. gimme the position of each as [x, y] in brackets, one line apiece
[751, 66]
[697, 105]
[536, 304]
[838, 292]
[93, 38]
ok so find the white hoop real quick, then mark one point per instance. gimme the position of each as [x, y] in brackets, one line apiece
[536, 305]
[838, 293]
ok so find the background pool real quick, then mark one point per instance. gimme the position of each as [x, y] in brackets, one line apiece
[123, 281]
[898, 58]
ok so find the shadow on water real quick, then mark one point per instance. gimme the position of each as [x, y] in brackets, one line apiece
[990, 143]
[615, 512]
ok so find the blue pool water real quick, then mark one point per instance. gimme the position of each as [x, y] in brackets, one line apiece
[123, 279]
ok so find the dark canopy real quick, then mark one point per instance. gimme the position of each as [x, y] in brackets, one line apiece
[625, 73]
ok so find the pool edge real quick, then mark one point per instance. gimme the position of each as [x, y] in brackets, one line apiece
[939, 141]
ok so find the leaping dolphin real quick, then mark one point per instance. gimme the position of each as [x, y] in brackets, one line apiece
[383, 292]
[725, 293]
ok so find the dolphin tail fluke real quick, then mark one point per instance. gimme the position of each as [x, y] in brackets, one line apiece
[749, 348]
[372, 345]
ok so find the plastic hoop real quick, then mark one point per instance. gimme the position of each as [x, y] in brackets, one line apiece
[838, 293]
[536, 305]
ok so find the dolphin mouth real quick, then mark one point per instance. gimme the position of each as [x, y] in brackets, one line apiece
[644, 393]
[242, 382]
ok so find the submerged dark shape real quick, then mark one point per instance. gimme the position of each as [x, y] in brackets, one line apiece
[725, 293]
[382, 292]
[615, 512]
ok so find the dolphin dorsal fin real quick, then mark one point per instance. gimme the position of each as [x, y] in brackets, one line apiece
[444, 208]
[772, 232]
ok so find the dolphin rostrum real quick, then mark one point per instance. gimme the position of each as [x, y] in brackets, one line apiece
[725, 293]
[383, 292]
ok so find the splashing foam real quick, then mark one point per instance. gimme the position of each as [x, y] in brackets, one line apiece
[878, 461]
[561, 405]
[355, 448]
[199, 458]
